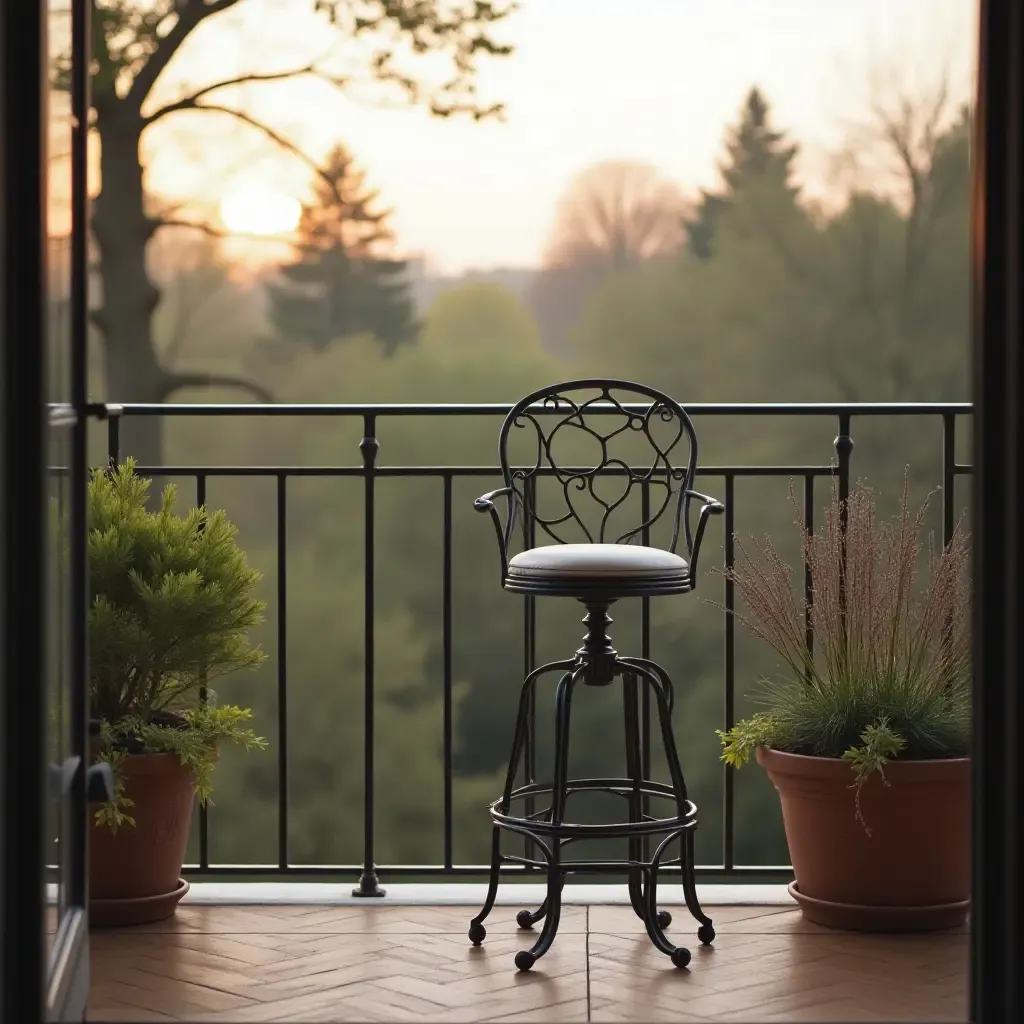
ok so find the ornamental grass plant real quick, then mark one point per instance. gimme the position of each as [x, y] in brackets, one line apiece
[889, 676]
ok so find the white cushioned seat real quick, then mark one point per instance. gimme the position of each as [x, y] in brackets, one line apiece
[603, 561]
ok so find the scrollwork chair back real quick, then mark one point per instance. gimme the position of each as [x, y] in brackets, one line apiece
[643, 438]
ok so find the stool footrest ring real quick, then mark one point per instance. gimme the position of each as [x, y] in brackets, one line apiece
[615, 830]
[580, 867]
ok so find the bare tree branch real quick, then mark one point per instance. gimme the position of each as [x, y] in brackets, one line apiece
[170, 210]
[211, 230]
[912, 128]
[274, 136]
[191, 101]
[315, 70]
[176, 381]
[615, 215]
[190, 14]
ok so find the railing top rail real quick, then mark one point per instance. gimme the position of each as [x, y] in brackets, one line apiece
[503, 409]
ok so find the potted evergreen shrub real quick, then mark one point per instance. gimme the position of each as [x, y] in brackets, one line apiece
[170, 606]
[867, 739]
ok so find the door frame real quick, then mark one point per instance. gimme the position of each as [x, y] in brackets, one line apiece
[997, 236]
[22, 294]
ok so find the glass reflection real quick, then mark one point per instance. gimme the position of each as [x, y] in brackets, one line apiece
[58, 392]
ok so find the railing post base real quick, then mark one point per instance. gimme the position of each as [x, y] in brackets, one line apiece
[369, 886]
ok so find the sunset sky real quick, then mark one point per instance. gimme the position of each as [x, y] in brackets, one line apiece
[655, 81]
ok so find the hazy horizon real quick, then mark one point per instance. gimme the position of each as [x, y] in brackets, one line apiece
[586, 83]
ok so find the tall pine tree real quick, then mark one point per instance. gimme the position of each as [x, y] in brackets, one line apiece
[341, 284]
[756, 155]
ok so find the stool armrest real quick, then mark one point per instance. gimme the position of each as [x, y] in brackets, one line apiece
[711, 507]
[485, 503]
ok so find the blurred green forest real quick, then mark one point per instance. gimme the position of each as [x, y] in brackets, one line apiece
[757, 294]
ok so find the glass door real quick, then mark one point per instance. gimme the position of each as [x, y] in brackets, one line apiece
[65, 906]
[64, 574]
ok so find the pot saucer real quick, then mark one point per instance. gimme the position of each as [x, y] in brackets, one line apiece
[137, 910]
[854, 917]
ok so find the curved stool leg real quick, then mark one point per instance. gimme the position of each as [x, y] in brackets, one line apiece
[655, 669]
[661, 684]
[706, 931]
[477, 932]
[679, 955]
[526, 919]
[526, 958]
[634, 770]
[631, 722]
[661, 693]
[635, 885]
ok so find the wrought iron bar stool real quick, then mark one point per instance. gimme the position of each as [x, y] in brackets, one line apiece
[598, 573]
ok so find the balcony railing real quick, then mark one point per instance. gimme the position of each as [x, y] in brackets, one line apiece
[371, 467]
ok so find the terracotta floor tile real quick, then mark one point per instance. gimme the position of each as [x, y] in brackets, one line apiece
[338, 964]
[622, 920]
[753, 977]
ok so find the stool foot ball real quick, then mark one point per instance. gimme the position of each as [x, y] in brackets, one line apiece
[526, 919]
[550, 833]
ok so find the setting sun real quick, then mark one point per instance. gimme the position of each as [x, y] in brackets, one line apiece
[260, 211]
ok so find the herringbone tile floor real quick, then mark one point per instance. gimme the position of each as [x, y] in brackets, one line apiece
[307, 963]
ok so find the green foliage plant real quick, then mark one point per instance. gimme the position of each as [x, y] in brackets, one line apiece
[170, 606]
[890, 676]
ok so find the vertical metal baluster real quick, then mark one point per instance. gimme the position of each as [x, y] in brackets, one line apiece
[204, 836]
[113, 437]
[844, 449]
[808, 581]
[948, 513]
[369, 884]
[729, 782]
[446, 626]
[645, 652]
[530, 659]
[948, 475]
[282, 672]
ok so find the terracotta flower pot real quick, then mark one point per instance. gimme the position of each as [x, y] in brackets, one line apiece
[911, 873]
[135, 873]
